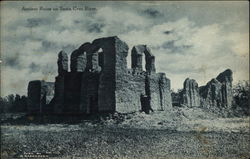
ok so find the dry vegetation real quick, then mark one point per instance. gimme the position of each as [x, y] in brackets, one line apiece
[182, 133]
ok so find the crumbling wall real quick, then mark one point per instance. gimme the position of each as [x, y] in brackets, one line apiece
[135, 87]
[72, 91]
[89, 92]
[190, 94]
[93, 64]
[153, 91]
[136, 57]
[130, 83]
[81, 84]
[226, 79]
[59, 94]
[129, 91]
[78, 61]
[40, 94]
[165, 92]
[99, 80]
[107, 84]
[91, 78]
[218, 91]
[154, 83]
[62, 63]
[83, 81]
[211, 94]
[49, 90]
[34, 96]
[159, 91]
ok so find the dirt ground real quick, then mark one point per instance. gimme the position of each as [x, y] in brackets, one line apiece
[179, 134]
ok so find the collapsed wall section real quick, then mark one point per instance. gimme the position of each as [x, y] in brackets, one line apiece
[62, 63]
[190, 94]
[40, 94]
[107, 84]
[130, 83]
[158, 88]
[218, 91]
[153, 91]
[137, 89]
[78, 60]
[165, 92]
[99, 80]
[90, 78]
[211, 94]
[130, 88]
[226, 79]
[136, 56]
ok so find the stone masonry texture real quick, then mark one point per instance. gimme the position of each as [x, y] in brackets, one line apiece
[216, 93]
[99, 80]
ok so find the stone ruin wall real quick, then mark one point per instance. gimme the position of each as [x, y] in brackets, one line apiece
[136, 85]
[99, 80]
[190, 94]
[62, 63]
[216, 93]
[90, 85]
[40, 95]
[128, 96]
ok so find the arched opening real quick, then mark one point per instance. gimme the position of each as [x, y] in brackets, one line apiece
[95, 60]
[100, 58]
[143, 62]
[142, 59]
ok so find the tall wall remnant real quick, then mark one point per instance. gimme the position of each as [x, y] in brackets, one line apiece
[190, 93]
[136, 56]
[40, 95]
[216, 93]
[99, 80]
[62, 63]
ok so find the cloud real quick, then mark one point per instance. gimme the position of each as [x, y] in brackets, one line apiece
[12, 61]
[194, 51]
[34, 67]
[96, 27]
[156, 36]
[185, 44]
[153, 13]
[35, 22]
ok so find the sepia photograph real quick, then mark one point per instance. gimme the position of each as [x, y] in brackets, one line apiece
[124, 80]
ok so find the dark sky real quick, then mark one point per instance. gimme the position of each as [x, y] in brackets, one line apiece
[189, 39]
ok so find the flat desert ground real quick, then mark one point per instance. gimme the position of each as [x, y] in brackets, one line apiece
[181, 133]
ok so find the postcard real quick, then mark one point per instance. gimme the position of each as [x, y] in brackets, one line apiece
[125, 79]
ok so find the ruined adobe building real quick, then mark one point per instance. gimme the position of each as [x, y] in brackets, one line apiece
[216, 93]
[99, 80]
